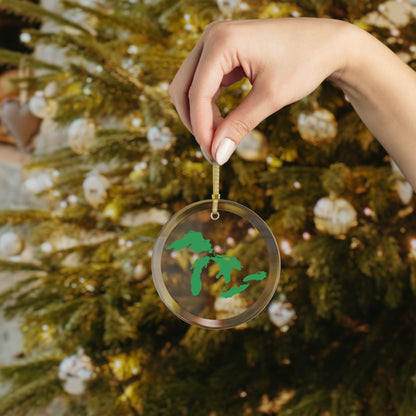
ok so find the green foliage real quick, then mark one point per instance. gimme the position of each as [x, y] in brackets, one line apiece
[351, 348]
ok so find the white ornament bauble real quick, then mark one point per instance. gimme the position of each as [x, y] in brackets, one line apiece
[159, 137]
[81, 135]
[281, 312]
[228, 7]
[42, 107]
[139, 272]
[11, 244]
[404, 189]
[318, 127]
[95, 189]
[76, 371]
[38, 183]
[334, 216]
[253, 147]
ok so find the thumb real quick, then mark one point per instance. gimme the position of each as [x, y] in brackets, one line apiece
[256, 106]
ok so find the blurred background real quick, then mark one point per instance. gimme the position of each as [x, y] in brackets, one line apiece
[94, 160]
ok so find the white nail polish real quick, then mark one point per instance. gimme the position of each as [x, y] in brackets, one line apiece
[225, 150]
[206, 156]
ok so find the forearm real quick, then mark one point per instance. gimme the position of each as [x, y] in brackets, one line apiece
[382, 89]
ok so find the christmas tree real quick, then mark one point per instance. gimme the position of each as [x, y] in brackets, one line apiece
[338, 337]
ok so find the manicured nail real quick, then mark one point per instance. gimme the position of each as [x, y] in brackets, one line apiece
[206, 155]
[225, 150]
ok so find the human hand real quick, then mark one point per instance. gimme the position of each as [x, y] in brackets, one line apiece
[284, 60]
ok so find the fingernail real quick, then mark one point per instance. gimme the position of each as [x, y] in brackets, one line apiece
[206, 155]
[225, 150]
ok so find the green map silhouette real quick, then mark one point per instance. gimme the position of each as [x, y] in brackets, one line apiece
[196, 242]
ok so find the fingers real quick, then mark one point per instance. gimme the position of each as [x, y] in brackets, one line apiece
[179, 87]
[244, 118]
[211, 65]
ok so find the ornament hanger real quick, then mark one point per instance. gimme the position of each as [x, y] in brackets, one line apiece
[215, 191]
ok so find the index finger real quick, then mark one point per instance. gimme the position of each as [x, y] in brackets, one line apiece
[179, 87]
[204, 91]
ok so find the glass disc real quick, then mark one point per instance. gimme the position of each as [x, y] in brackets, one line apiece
[216, 273]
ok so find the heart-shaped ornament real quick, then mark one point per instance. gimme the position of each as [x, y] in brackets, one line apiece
[21, 124]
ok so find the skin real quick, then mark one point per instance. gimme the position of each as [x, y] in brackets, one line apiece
[285, 60]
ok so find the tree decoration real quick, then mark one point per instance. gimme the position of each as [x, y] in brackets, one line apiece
[20, 122]
[334, 216]
[318, 127]
[160, 137]
[95, 189]
[253, 147]
[140, 272]
[404, 189]
[281, 313]
[38, 183]
[76, 371]
[81, 135]
[42, 107]
[11, 244]
[228, 7]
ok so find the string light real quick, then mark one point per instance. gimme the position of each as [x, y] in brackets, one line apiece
[306, 236]
[413, 247]
[368, 212]
[286, 247]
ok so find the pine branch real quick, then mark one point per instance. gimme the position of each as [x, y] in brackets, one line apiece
[35, 384]
[37, 12]
[24, 216]
[137, 23]
[16, 59]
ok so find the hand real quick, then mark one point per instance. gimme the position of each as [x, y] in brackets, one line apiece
[284, 59]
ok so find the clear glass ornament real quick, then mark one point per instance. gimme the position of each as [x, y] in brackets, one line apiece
[216, 271]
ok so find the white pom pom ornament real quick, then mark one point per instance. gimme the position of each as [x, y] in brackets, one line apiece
[76, 370]
[81, 135]
[95, 189]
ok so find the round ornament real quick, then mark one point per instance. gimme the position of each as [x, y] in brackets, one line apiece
[11, 244]
[404, 189]
[76, 370]
[42, 107]
[95, 189]
[334, 216]
[81, 135]
[319, 127]
[205, 280]
[253, 147]
[159, 137]
[228, 7]
[281, 312]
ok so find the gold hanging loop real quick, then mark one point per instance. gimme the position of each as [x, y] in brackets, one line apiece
[215, 190]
